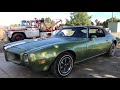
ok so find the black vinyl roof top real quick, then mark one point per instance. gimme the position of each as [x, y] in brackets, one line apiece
[82, 26]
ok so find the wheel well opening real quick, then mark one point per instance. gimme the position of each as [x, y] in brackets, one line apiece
[21, 33]
[115, 42]
[72, 53]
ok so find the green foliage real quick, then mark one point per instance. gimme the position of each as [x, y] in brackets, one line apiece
[79, 19]
[92, 23]
[105, 23]
[15, 25]
[97, 22]
[48, 21]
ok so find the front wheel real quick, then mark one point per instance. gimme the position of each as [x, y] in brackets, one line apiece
[63, 65]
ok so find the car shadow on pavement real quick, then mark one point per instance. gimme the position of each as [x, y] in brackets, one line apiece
[98, 67]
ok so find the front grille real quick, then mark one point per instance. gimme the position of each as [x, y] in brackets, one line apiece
[13, 56]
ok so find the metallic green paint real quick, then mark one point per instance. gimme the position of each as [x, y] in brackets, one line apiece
[50, 48]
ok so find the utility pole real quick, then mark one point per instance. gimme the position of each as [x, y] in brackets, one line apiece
[112, 17]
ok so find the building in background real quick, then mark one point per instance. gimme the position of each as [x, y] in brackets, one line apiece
[114, 27]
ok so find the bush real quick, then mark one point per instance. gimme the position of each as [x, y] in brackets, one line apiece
[2, 34]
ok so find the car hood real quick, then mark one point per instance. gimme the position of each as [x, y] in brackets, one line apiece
[17, 28]
[32, 44]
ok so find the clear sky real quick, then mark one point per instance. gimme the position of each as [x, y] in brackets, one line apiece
[7, 18]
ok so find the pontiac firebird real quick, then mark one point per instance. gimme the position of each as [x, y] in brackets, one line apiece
[59, 53]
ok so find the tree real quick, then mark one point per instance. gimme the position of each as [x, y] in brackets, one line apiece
[97, 22]
[52, 22]
[114, 19]
[79, 19]
[92, 23]
[105, 24]
[48, 21]
[100, 24]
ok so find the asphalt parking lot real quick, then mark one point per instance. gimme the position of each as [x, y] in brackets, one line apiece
[99, 67]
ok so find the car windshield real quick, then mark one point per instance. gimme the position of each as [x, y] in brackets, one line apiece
[72, 32]
[23, 23]
[28, 23]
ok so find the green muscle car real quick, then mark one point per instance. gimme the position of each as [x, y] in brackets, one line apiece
[59, 53]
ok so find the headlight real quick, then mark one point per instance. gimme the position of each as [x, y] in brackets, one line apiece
[26, 58]
[3, 47]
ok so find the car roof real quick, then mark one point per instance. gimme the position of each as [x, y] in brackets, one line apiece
[82, 26]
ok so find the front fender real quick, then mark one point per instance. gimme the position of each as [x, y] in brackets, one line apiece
[9, 34]
[46, 55]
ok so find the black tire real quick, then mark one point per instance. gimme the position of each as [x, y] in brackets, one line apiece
[111, 51]
[63, 61]
[9, 39]
[17, 37]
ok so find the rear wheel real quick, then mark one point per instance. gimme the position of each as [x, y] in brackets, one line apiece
[18, 37]
[111, 51]
[63, 65]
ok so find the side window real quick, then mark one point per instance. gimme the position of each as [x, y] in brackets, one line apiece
[68, 32]
[81, 32]
[100, 33]
[92, 30]
[84, 32]
[106, 32]
[97, 32]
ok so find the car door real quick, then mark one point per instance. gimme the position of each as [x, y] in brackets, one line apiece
[81, 44]
[32, 32]
[35, 32]
[97, 42]
[29, 32]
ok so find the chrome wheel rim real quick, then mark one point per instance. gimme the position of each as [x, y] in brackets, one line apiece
[113, 50]
[18, 38]
[65, 65]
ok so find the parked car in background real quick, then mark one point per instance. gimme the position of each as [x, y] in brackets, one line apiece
[59, 53]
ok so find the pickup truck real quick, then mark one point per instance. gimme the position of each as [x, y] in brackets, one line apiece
[29, 29]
